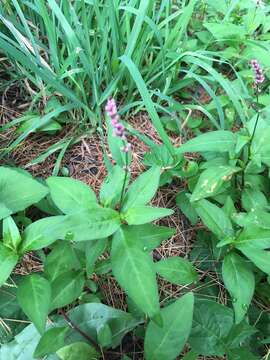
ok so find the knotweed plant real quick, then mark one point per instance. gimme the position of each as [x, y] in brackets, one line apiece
[120, 132]
[259, 78]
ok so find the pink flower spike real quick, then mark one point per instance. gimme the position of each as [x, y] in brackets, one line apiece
[258, 72]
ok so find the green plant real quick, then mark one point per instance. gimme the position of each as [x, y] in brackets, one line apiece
[78, 231]
[229, 193]
[77, 54]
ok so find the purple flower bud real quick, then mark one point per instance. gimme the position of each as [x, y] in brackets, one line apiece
[118, 128]
[258, 72]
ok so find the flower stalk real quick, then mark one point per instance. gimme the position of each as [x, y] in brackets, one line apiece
[120, 132]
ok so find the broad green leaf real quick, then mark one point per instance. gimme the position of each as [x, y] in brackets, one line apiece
[91, 224]
[51, 341]
[8, 260]
[242, 354]
[239, 280]
[211, 181]
[11, 233]
[261, 258]
[177, 270]
[93, 249]
[253, 199]
[217, 141]
[167, 342]
[18, 191]
[185, 206]
[78, 350]
[159, 155]
[260, 147]
[214, 218]
[143, 189]
[212, 323]
[22, 347]
[103, 266]
[239, 334]
[10, 309]
[66, 288]
[134, 270]
[226, 31]
[140, 215]
[4, 211]
[28, 124]
[42, 233]
[112, 186]
[34, 296]
[61, 259]
[70, 195]
[91, 317]
[104, 335]
[148, 236]
[254, 235]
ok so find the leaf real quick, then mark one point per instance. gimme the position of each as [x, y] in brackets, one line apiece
[214, 218]
[22, 347]
[239, 334]
[8, 260]
[93, 250]
[18, 191]
[167, 342]
[11, 233]
[78, 350]
[260, 258]
[177, 270]
[211, 181]
[10, 309]
[255, 236]
[140, 215]
[34, 296]
[66, 288]
[104, 335]
[212, 323]
[183, 202]
[61, 259]
[43, 233]
[226, 31]
[111, 188]
[260, 147]
[70, 195]
[148, 236]
[91, 224]
[51, 341]
[134, 270]
[216, 141]
[93, 316]
[242, 354]
[239, 280]
[28, 124]
[253, 199]
[143, 189]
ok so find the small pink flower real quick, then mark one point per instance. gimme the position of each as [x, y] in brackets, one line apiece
[258, 72]
[118, 127]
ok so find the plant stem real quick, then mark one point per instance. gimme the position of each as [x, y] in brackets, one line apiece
[75, 327]
[256, 122]
[125, 180]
